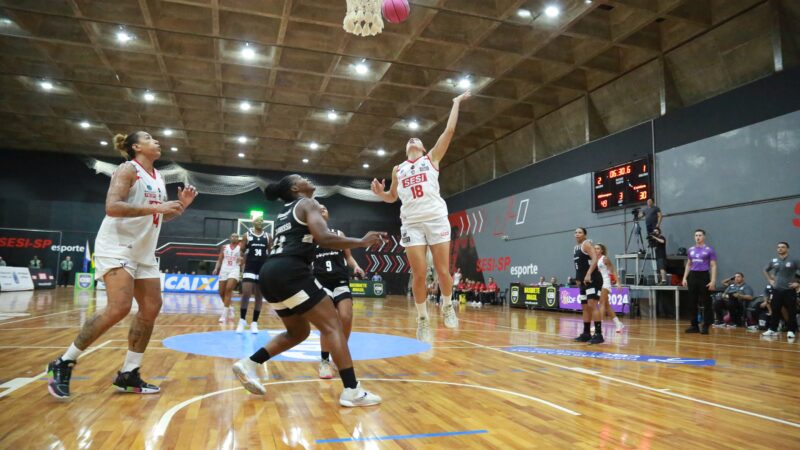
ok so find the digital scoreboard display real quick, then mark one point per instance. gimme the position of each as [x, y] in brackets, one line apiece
[622, 186]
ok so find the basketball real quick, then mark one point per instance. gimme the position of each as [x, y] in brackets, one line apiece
[395, 11]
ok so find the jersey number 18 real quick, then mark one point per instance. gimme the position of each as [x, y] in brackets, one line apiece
[416, 191]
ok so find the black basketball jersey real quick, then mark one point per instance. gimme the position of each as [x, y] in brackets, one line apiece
[582, 261]
[330, 263]
[257, 247]
[292, 237]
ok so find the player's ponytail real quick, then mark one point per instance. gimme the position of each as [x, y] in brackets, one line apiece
[124, 144]
[280, 190]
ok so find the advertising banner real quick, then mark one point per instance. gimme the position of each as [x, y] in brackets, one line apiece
[43, 278]
[190, 283]
[367, 288]
[19, 246]
[569, 298]
[15, 279]
[533, 296]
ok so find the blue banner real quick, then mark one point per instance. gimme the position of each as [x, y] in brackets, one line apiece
[190, 283]
[614, 356]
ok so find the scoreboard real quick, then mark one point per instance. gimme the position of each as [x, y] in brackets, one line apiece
[622, 186]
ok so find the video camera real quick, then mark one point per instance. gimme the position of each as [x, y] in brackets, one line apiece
[636, 213]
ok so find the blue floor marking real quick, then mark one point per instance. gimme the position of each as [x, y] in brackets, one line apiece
[401, 437]
[229, 344]
[671, 360]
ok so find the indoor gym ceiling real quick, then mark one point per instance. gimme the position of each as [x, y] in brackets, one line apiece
[542, 84]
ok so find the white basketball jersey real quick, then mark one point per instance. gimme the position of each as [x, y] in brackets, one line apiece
[418, 189]
[230, 257]
[604, 270]
[134, 238]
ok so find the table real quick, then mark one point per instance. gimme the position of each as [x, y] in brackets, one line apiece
[651, 289]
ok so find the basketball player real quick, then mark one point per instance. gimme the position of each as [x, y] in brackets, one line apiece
[296, 296]
[330, 269]
[590, 281]
[228, 268]
[609, 274]
[424, 219]
[136, 205]
[256, 244]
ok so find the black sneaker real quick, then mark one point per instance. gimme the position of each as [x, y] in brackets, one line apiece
[583, 338]
[132, 382]
[597, 339]
[704, 329]
[693, 329]
[58, 374]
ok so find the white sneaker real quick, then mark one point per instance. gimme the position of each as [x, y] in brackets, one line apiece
[424, 329]
[769, 333]
[253, 327]
[247, 372]
[449, 313]
[240, 326]
[752, 328]
[478, 304]
[224, 316]
[325, 371]
[790, 335]
[618, 323]
[358, 397]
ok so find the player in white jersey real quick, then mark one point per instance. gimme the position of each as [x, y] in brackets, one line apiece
[136, 205]
[423, 214]
[609, 274]
[228, 268]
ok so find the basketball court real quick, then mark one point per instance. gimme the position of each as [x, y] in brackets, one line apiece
[580, 111]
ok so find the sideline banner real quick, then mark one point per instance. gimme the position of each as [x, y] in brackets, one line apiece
[43, 278]
[15, 279]
[569, 298]
[190, 283]
[533, 296]
[84, 281]
[367, 288]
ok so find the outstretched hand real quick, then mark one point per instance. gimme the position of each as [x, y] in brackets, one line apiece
[372, 238]
[465, 96]
[187, 196]
[378, 187]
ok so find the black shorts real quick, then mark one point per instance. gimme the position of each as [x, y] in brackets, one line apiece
[338, 288]
[288, 285]
[251, 271]
[591, 291]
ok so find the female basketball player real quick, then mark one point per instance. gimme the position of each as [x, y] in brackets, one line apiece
[609, 274]
[330, 269]
[228, 268]
[125, 260]
[256, 245]
[424, 218]
[590, 282]
[296, 296]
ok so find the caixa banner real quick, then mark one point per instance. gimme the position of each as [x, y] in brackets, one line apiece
[19, 246]
[190, 283]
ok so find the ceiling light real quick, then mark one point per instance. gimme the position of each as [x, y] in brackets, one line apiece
[305, 160]
[362, 68]
[242, 139]
[524, 13]
[103, 143]
[149, 97]
[241, 155]
[381, 152]
[588, 2]
[6, 21]
[244, 106]
[174, 149]
[365, 165]
[85, 124]
[123, 37]
[332, 115]
[314, 146]
[46, 85]
[167, 132]
[247, 52]
[464, 83]
[413, 125]
[552, 11]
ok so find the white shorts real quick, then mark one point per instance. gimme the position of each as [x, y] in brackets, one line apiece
[229, 272]
[430, 232]
[103, 264]
[607, 283]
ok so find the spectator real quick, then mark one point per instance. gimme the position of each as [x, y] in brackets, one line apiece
[457, 277]
[700, 277]
[476, 289]
[542, 281]
[554, 281]
[35, 263]
[489, 292]
[759, 311]
[652, 216]
[66, 271]
[377, 277]
[737, 294]
[783, 274]
[2, 262]
[659, 244]
[433, 291]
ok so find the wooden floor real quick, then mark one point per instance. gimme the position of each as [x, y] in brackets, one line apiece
[468, 384]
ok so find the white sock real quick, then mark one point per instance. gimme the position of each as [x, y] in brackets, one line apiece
[72, 353]
[446, 299]
[422, 310]
[132, 361]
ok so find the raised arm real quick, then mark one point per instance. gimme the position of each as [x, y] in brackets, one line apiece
[309, 211]
[121, 182]
[185, 197]
[440, 149]
[379, 188]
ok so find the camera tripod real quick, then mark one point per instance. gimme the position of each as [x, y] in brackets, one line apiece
[644, 250]
[636, 232]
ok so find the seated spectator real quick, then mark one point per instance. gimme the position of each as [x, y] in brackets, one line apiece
[542, 281]
[737, 294]
[489, 292]
[433, 291]
[477, 291]
[759, 311]
[554, 281]
[377, 277]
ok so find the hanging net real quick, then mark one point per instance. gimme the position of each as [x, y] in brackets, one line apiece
[363, 17]
[238, 184]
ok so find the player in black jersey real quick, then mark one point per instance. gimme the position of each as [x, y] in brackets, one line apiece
[330, 269]
[591, 282]
[296, 296]
[255, 245]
